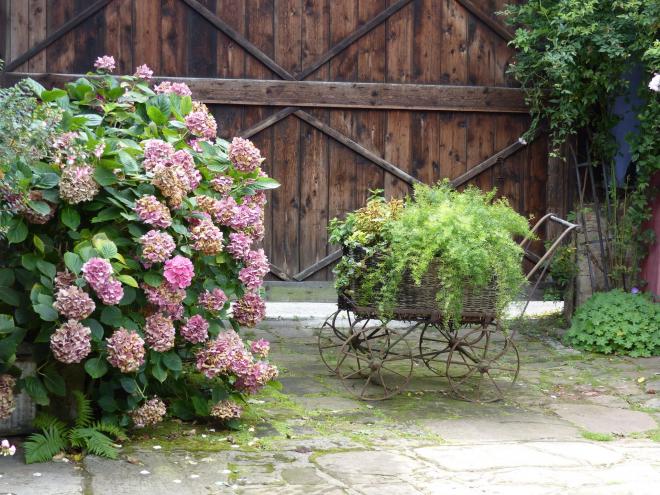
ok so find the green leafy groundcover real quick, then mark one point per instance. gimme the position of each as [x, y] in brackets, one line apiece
[470, 232]
[128, 232]
[617, 322]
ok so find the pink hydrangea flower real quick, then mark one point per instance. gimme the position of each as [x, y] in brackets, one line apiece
[224, 355]
[167, 298]
[179, 271]
[110, 292]
[73, 303]
[125, 350]
[224, 210]
[152, 212]
[157, 246]
[207, 238]
[201, 124]
[185, 160]
[194, 144]
[244, 216]
[6, 448]
[71, 343]
[157, 153]
[239, 245]
[261, 348]
[196, 329]
[159, 332]
[96, 271]
[226, 410]
[245, 156]
[259, 374]
[222, 184]
[144, 72]
[249, 310]
[256, 268]
[212, 301]
[167, 87]
[77, 184]
[105, 63]
[150, 413]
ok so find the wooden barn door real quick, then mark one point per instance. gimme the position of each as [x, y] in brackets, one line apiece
[342, 96]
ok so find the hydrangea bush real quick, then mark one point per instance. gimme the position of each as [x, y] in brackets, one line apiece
[129, 237]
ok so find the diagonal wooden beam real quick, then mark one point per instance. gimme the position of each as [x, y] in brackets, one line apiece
[501, 30]
[358, 148]
[490, 161]
[319, 265]
[64, 29]
[239, 39]
[351, 38]
[267, 122]
[278, 272]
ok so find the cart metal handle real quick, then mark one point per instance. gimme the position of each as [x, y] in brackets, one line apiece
[550, 252]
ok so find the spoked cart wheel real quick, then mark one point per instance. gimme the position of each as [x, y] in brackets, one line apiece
[331, 338]
[436, 341]
[375, 362]
[482, 365]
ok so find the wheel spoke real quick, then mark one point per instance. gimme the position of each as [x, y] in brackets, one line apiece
[496, 385]
[393, 371]
[364, 387]
[352, 374]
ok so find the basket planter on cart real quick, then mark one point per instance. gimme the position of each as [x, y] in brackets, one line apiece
[375, 358]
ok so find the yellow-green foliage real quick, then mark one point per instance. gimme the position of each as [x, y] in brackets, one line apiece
[470, 232]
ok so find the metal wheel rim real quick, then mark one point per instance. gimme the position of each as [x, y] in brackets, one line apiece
[370, 372]
[482, 383]
[449, 337]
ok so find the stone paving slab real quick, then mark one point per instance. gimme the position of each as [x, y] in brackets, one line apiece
[313, 437]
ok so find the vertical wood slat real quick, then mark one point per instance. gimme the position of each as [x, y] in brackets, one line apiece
[286, 162]
[119, 33]
[6, 28]
[230, 63]
[314, 170]
[89, 39]
[259, 30]
[342, 170]
[202, 43]
[174, 32]
[19, 15]
[60, 55]
[370, 125]
[147, 39]
[38, 26]
[399, 50]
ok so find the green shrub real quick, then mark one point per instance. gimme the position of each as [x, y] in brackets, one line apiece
[617, 322]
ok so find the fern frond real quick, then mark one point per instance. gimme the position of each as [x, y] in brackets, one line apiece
[94, 442]
[44, 420]
[111, 429]
[84, 413]
[41, 447]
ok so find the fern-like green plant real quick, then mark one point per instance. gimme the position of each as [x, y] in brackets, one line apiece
[85, 434]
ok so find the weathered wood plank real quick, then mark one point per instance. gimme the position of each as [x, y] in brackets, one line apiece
[174, 32]
[336, 94]
[286, 162]
[318, 266]
[202, 43]
[38, 32]
[239, 39]
[119, 33]
[19, 11]
[60, 54]
[480, 146]
[453, 48]
[354, 36]
[4, 34]
[314, 172]
[89, 40]
[70, 23]
[147, 39]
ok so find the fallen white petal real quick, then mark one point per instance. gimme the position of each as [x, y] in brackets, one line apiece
[194, 476]
[226, 471]
[144, 471]
[36, 474]
[176, 481]
[157, 447]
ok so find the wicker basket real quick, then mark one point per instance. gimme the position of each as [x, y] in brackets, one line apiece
[420, 301]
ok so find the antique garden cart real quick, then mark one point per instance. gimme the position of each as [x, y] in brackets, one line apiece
[375, 358]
